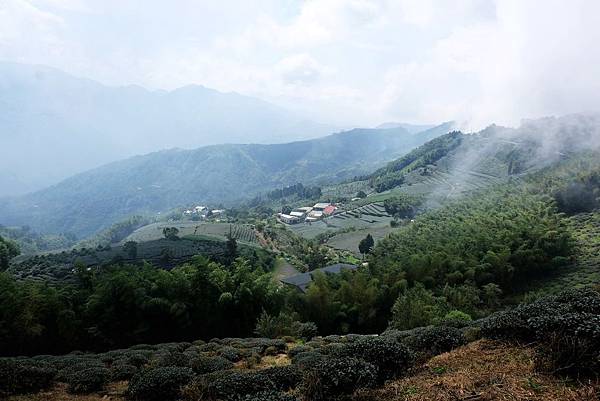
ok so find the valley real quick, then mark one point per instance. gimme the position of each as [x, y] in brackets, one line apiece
[467, 231]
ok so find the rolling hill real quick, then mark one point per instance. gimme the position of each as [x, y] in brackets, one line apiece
[68, 124]
[156, 182]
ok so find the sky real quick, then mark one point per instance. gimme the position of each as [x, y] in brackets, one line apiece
[345, 62]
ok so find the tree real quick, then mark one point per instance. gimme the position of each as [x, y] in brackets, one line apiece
[361, 194]
[366, 244]
[171, 233]
[417, 307]
[231, 247]
[8, 250]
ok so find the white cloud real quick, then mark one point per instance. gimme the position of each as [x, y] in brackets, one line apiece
[300, 69]
[350, 61]
[26, 31]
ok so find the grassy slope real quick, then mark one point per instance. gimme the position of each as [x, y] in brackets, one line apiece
[483, 370]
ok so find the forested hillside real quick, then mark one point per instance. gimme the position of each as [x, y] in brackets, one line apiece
[225, 174]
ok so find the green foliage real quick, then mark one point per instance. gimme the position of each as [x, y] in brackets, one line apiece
[391, 358]
[332, 378]
[124, 305]
[8, 250]
[393, 174]
[417, 307]
[88, 380]
[209, 364]
[566, 325]
[122, 371]
[430, 341]
[366, 245]
[230, 385]
[30, 242]
[402, 206]
[24, 376]
[116, 232]
[304, 330]
[270, 396]
[159, 384]
[464, 242]
[171, 233]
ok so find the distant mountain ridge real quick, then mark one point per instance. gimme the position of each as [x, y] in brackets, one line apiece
[155, 182]
[66, 124]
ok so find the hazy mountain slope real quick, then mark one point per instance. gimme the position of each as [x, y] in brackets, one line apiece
[456, 163]
[68, 124]
[409, 127]
[158, 181]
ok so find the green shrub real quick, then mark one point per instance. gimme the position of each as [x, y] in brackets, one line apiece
[137, 358]
[284, 378]
[305, 331]
[391, 358]
[24, 376]
[210, 347]
[173, 358]
[88, 380]
[307, 360]
[78, 365]
[332, 378]
[122, 371]
[230, 353]
[269, 396]
[566, 326]
[206, 364]
[456, 319]
[229, 385]
[159, 384]
[429, 341]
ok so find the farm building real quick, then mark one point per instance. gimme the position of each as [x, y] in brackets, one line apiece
[319, 207]
[303, 280]
[288, 218]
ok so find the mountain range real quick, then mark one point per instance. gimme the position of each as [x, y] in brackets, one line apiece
[159, 181]
[68, 124]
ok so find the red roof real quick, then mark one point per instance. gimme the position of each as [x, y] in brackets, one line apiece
[329, 209]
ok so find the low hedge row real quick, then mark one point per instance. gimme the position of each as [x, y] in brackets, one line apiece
[565, 326]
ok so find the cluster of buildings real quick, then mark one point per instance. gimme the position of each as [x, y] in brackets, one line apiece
[308, 213]
[203, 211]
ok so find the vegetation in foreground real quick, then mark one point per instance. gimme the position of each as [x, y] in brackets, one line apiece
[562, 333]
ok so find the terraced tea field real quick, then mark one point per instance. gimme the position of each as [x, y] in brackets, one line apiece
[352, 225]
[241, 232]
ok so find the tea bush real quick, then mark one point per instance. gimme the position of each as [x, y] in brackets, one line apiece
[88, 380]
[269, 396]
[566, 326]
[430, 341]
[24, 376]
[392, 358]
[207, 364]
[332, 378]
[159, 384]
[122, 371]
